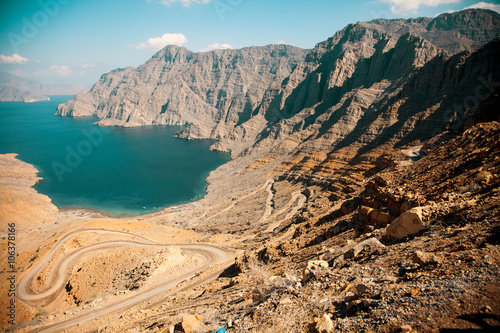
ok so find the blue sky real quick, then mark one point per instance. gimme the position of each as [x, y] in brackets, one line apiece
[75, 41]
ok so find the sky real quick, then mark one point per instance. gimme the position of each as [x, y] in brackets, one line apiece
[76, 41]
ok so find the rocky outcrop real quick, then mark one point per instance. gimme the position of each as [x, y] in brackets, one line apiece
[353, 87]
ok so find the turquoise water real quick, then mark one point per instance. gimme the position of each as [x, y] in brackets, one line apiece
[116, 171]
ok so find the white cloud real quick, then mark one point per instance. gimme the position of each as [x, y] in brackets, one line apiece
[281, 41]
[216, 46]
[404, 7]
[157, 43]
[88, 66]
[55, 71]
[485, 5]
[185, 3]
[13, 59]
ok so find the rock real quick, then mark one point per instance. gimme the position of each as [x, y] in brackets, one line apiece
[331, 254]
[364, 213]
[314, 267]
[325, 325]
[358, 248]
[361, 288]
[379, 217]
[423, 258]
[357, 305]
[192, 324]
[406, 328]
[12, 94]
[179, 87]
[487, 308]
[350, 296]
[388, 278]
[408, 223]
[414, 292]
[233, 95]
[285, 300]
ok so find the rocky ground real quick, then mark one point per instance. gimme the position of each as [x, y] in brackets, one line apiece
[344, 271]
[324, 243]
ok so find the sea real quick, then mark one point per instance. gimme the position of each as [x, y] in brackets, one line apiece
[116, 171]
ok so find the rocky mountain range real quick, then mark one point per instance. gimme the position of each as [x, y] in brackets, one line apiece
[12, 94]
[247, 98]
[179, 87]
[363, 193]
[14, 88]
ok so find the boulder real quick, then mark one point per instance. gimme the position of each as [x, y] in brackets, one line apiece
[379, 217]
[325, 325]
[313, 268]
[408, 223]
[424, 258]
[191, 324]
[360, 247]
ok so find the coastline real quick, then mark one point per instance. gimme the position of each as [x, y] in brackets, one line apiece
[35, 239]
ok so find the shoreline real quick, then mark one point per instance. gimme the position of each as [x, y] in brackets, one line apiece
[159, 211]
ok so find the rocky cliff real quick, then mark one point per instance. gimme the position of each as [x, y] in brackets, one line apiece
[348, 89]
[366, 72]
[212, 90]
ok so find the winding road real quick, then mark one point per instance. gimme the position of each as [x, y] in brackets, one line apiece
[296, 196]
[60, 271]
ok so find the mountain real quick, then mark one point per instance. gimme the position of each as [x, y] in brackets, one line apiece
[252, 95]
[19, 89]
[363, 193]
[179, 87]
[12, 94]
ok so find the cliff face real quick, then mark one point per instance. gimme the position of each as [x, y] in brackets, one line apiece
[371, 82]
[177, 87]
[367, 84]
[410, 92]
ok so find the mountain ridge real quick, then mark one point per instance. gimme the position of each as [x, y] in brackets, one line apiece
[237, 115]
[19, 89]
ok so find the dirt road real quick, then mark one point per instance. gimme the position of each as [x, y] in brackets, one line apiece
[60, 271]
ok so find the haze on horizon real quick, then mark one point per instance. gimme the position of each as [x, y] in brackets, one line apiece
[77, 41]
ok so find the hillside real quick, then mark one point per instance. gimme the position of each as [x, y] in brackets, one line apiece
[363, 193]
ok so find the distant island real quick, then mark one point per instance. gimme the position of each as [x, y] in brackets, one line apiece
[14, 88]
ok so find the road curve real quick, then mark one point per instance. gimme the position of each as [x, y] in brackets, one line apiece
[60, 272]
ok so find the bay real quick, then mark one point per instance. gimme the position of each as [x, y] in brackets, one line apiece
[117, 171]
